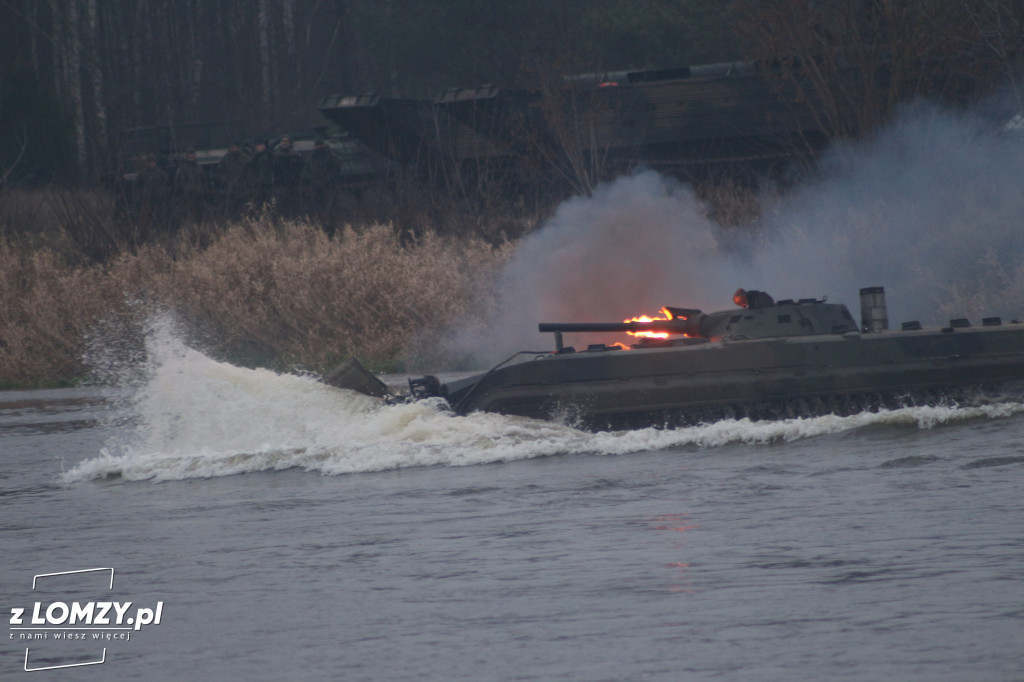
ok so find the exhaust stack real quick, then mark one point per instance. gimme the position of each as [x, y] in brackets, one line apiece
[873, 314]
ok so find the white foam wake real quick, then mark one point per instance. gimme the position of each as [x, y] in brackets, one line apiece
[196, 417]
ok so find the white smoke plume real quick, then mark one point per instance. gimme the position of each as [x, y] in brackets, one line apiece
[932, 209]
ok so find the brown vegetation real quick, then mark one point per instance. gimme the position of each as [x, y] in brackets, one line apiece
[262, 291]
[288, 295]
[47, 307]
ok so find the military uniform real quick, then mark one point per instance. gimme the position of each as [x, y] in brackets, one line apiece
[231, 175]
[287, 174]
[261, 175]
[321, 175]
[190, 187]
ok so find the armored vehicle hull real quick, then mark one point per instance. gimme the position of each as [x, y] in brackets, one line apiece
[755, 378]
[769, 360]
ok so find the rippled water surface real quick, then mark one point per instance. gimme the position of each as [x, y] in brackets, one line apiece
[293, 531]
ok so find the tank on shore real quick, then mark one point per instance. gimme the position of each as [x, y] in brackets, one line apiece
[762, 359]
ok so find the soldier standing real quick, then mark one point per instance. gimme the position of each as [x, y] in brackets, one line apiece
[287, 174]
[231, 171]
[321, 174]
[261, 174]
[190, 185]
[151, 183]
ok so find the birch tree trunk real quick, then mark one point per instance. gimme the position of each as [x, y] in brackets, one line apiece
[58, 51]
[100, 146]
[32, 14]
[265, 63]
[196, 18]
[140, 33]
[73, 78]
[296, 86]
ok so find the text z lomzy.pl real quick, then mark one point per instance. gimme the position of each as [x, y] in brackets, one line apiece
[103, 613]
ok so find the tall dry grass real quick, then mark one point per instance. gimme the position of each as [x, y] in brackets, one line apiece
[285, 294]
[82, 224]
[262, 292]
[47, 309]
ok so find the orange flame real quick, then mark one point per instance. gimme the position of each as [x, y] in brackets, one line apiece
[666, 315]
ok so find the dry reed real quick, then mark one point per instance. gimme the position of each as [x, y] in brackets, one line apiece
[47, 308]
[279, 294]
[288, 295]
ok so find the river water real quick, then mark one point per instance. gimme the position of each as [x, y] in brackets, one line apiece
[286, 530]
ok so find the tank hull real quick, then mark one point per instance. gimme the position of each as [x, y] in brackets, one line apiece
[677, 384]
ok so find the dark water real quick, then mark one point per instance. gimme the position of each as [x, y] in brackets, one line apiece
[292, 532]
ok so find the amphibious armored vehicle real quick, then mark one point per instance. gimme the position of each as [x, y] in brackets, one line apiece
[763, 359]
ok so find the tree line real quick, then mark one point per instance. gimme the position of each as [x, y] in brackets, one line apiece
[77, 74]
[114, 65]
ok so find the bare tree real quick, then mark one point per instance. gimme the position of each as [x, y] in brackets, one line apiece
[858, 59]
[8, 168]
[100, 144]
[999, 25]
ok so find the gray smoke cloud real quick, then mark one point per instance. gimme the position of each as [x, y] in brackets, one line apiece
[932, 209]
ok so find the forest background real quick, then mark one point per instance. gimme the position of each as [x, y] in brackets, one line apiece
[76, 74]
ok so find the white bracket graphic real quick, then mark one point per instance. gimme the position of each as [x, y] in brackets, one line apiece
[84, 570]
[69, 665]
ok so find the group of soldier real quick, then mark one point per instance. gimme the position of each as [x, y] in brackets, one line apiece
[251, 178]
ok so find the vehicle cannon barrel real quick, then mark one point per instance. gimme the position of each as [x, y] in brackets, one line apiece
[677, 326]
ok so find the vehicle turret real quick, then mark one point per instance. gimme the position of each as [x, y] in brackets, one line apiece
[759, 317]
